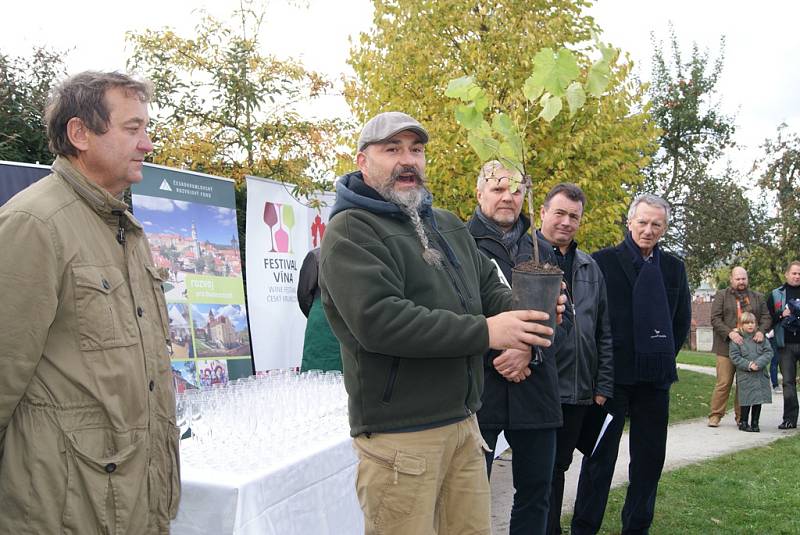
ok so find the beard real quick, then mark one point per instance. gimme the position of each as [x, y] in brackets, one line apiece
[409, 199]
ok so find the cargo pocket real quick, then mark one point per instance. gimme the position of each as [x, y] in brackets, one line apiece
[105, 493]
[388, 481]
[103, 308]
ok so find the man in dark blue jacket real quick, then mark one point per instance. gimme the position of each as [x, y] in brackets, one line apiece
[584, 357]
[650, 311]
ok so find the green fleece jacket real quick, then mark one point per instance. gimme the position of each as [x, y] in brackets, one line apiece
[412, 336]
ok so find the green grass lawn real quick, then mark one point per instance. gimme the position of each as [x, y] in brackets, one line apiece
[751, 492]
[698, 358]
[690, 396]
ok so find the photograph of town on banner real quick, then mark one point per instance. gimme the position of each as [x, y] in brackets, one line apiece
[184, 374]
[220, 330]
[180, 332]
[189, 239]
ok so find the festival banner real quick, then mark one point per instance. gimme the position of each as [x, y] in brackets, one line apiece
[190, 221]
[281, 230]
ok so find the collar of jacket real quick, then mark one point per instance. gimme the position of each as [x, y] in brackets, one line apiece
[348, 195]
[479, 230]
[750, 293]
[573, 245]
[108, 207]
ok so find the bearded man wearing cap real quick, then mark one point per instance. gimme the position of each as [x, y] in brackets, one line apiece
[415, 306]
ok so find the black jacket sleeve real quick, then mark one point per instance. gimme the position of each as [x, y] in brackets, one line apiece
[308, 281]
[682, 321]
[605, 350]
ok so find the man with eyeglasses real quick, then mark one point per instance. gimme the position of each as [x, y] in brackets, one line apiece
[521, 402]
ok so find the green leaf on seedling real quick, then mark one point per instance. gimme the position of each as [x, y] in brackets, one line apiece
[566, 67]
[460, 88]
[468, 116]
[608, 52]
[576, 98]
[512, 153]
[598, 78]
[485, 147]
[511, 164]
[553, 71]
[551, 106]
[511, 147]
[480, 99]
[503, 124]
[532, 90]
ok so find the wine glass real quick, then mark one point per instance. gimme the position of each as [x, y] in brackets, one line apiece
[281, 236]
[270, 218]
[183, 412]
[288, 220]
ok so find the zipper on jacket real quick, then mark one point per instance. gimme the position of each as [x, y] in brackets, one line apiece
[469, 364]
[458, 290]
[457, 269]
[576, 329]
[469, 387]
[390, 381]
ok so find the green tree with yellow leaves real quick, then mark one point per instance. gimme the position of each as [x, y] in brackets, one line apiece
[225, 107]
[417, 46]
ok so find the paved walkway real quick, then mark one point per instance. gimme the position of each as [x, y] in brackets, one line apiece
[687, 442]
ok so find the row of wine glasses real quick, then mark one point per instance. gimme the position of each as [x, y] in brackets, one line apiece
[261, 421]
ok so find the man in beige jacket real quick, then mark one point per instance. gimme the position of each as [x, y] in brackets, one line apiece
[726, 309]
[88, 442]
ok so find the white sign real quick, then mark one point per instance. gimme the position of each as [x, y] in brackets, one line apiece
[281, 230]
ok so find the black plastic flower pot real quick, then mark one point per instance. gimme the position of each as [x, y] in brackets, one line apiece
[536, 291]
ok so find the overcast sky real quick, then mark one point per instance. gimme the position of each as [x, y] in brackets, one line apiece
[760, 82]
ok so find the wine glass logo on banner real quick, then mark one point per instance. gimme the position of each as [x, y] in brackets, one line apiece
[281, 220]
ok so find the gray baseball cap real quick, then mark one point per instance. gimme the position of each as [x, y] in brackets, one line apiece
[385, 125]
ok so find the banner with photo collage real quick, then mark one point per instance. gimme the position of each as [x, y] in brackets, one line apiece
[190, 221]
[281, 230]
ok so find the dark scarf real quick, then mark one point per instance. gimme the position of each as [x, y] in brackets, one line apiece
[510, 238]
[653, 340]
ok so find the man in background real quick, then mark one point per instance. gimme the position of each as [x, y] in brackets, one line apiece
[726, 311]
[320, 346]
[787, 339]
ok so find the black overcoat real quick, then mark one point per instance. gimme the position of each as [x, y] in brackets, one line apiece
[616, 264]
[535, 402]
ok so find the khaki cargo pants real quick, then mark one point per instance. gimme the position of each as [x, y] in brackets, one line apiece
[430, 482]
[726, 375]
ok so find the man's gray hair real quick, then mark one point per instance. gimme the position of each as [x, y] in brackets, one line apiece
[84, 96]
[652, 200]
[490, 168]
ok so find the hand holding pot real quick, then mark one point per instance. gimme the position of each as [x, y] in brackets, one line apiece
[516, 329]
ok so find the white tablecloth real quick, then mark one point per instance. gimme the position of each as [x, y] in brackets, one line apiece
[313, 495]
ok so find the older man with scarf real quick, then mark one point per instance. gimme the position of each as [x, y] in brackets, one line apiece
[650, 312]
